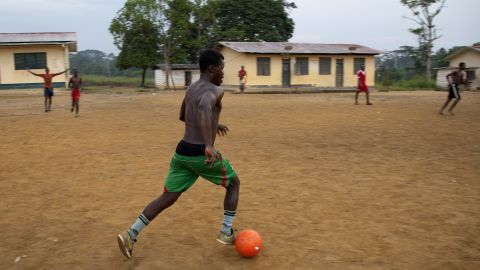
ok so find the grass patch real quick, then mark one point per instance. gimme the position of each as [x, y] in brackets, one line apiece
[407, 85]
[116, 81]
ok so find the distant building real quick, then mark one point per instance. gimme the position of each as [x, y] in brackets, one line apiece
[285, 64]
[470, 55]
[183, 75]
[36, 51]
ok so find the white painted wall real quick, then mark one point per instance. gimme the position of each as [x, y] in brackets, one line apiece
[178, 78]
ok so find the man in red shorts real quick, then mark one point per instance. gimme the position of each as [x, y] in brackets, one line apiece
[47, 85]
[242, 75]
[75, 83]
[362, 85]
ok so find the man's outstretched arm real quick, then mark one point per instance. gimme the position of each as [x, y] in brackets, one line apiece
[33, 73]
[56, 74]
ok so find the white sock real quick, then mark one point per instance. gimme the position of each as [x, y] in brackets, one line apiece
[138, 226]
[228, 217]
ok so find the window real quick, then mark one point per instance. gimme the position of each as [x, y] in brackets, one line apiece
[30, 60]
[301, 66]
[263, 66]
[325, 65]
[471, 75]
[357, 62]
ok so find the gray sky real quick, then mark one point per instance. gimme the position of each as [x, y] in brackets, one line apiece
[377, 24]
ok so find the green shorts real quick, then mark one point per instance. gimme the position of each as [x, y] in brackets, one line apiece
[184, 171]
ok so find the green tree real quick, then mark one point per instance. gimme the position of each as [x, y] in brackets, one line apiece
[203, 18]
[252, 20]
[136, 32]
[424, 12]
[178, 36]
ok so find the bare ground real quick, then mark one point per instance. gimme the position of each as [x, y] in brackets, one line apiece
[328, 185]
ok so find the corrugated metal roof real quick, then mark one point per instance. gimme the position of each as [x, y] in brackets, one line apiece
[38, 37]
[297, 48]
[13, 39]
[178, 66]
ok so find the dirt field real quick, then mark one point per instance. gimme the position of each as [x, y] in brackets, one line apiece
[328, 185]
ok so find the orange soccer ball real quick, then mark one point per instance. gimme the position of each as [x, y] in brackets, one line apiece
[248, 243]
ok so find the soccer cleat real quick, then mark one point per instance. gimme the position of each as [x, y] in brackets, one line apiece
[226, 239]
[125, 243]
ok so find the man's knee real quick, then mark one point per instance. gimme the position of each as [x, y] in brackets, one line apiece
[235, 182]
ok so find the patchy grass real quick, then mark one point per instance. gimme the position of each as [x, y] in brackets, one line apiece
[408, 85]
[116, 81]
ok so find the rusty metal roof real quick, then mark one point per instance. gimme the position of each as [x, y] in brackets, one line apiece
[16, 39]
[297, 48]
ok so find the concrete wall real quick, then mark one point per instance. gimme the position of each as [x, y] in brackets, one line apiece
[178, 78]
[469, 57]
[234, 60]
[57, 61]
[442, 82]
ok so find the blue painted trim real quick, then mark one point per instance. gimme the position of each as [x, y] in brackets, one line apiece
[29, 85]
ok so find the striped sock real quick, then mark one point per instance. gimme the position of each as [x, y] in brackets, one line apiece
[138, 226]
[228, 217]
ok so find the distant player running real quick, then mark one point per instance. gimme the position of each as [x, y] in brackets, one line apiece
[362, 85]
[454, 79]
[75, 83]
[195, 154]
[47, 85]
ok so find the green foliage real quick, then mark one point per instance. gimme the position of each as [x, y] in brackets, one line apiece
[135, 30]
[179, 34]
[416, 83]
[424, 12]
[252, 20]
[396, 68]
[96, 62]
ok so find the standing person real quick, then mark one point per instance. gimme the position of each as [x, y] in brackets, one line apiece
[362, 85]
[47, 85]
[196, 154]
[454, 78]
[242, 75]
[75, 83]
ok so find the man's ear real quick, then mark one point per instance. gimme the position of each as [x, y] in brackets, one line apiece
[211, 69]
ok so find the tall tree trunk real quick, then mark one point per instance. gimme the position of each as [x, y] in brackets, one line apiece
[167, 67]
[429, 65]
[143, 77]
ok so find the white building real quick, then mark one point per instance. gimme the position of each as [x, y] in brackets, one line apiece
[36, 51]
[469, 55]
[183, 75]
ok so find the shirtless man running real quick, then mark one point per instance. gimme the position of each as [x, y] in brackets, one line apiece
[196, 154]
[75, 83]
[454, 79]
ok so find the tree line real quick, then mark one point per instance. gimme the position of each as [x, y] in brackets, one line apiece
[174, 31]
[148, 32]
[406, 63]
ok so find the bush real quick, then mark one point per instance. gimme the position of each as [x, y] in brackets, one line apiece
[412, 84]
